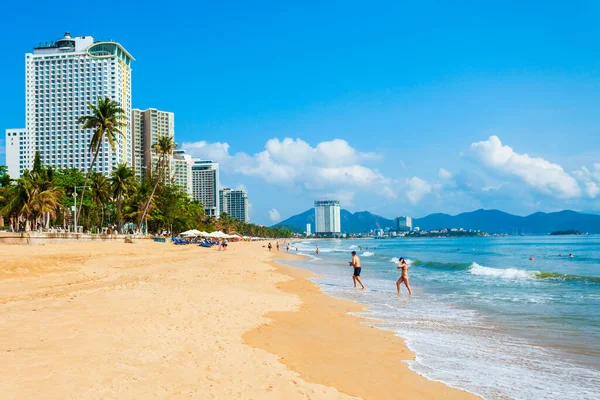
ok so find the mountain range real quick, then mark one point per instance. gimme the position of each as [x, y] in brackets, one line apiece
[491, 221]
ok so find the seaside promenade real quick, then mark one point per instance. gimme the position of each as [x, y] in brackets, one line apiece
[98, 320]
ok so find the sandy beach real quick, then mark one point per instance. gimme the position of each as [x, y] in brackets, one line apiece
[153, 320]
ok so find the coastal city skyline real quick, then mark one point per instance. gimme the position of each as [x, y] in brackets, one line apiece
[500, 123]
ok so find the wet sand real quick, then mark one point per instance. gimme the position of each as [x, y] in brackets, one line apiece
[326, 345]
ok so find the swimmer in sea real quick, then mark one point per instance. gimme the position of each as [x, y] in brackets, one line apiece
[404, 278]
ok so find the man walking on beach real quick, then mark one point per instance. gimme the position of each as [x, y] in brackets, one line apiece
[356, 275]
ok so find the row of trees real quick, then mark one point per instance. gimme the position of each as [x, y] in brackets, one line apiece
[43, 197]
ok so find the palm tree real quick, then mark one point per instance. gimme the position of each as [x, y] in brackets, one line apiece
[100, 188]
[122, 181]
[34, 195]
[164, 147]
[106, 120]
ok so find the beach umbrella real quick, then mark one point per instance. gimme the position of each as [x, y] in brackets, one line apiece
[216, 235]
[191, 232]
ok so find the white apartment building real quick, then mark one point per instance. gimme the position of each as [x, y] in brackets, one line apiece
[308, 232]
[19, 153]
[181, 171]
[61, 78]
[234, 203]
[205, 186]
[147, 126]
[327, 217]
[403, 223]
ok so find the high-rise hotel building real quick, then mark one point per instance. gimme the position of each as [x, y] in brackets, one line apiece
[327, 217]
[181, 171]
[234, 203]
[205, 186]
[61, 78]
[147, 126]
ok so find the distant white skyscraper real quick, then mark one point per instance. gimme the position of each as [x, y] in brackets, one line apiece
[308, 232]
[181, 171]
[403, 223]
[234, 203]
[147, 126]
[327, 217]
[205, 186]
[61, 78]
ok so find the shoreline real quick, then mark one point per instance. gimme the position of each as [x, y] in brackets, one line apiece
[326, 344]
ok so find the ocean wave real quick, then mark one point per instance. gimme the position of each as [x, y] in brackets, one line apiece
[508, 273]
[565, 277]
[353, 247]
[367, 254]
[437, 264]
[396, 260]
[514, 273]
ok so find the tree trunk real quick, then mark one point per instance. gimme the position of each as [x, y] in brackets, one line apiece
[148, 203]
[151, 195]
[120, 221]
[88, 177]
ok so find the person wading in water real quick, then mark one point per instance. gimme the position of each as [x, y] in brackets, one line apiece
[356, 275]
[404, 278]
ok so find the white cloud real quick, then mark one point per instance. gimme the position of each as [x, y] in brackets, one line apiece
[541, 175]
[274, 215]
[416, 189]
[293, 162]
[217, 151]
[590, 180]
[444, 174]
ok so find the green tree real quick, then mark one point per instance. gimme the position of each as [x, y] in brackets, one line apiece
[164, 147]
[100, 193]
[33, 195]
[4, 177]
[122, 183]
[37, 162]
[106, 120]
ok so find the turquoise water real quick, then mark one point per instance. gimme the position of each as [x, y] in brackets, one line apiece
[483, 317]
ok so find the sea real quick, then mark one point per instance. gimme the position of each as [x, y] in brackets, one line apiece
[483, 316]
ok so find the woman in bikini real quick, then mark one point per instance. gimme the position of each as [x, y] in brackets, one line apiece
[404, 278]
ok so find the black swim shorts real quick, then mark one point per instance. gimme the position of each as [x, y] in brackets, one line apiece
[357, 271]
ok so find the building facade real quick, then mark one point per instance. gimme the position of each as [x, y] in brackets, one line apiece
[205, 186]
[234, 203]
[19, 151]
[327, 217]
[404, 224]
[308, 231]
[61, 78]
[147, 126]
[181, 171]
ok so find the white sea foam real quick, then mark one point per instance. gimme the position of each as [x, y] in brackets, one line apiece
[353, 247]
[508, 273]
[396, 260]
[367, 254]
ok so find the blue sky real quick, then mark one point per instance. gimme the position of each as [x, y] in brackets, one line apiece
[393, 107]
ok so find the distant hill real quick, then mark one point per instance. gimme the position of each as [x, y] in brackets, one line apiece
[492, 221]
[495, 221]
[362, 221]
